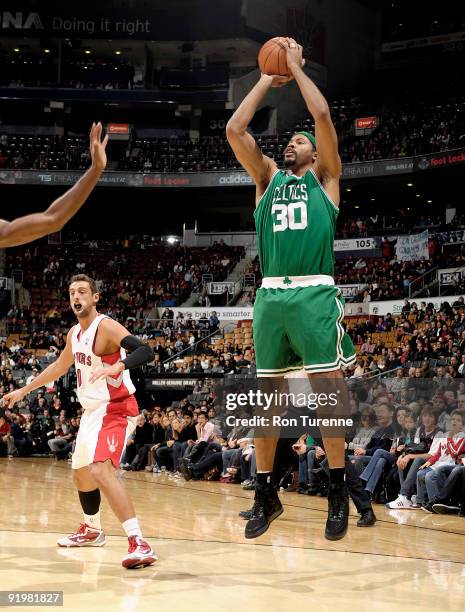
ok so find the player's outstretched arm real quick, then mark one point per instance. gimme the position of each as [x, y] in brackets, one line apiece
[248, 153]
[54, 371]
[328, 162]
[31, 227]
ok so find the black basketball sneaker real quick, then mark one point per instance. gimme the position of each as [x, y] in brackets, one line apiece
[267, 507]
[338, 511]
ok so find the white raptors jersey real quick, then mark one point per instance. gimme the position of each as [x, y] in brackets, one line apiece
[107, 389]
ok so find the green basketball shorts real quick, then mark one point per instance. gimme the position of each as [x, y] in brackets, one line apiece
[300, 328]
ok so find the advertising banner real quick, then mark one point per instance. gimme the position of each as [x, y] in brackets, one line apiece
[155, 21]
[233, 178]
[223, 313]
[450, 276]
[350, 291]
[366, 123]
[357, 244]
[395, 306]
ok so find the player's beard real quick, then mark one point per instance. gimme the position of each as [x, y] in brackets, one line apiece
[290, 162]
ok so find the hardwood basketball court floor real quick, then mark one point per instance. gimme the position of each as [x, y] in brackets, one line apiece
[409, 561]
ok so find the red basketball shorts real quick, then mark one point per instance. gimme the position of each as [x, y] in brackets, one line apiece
[104, 431]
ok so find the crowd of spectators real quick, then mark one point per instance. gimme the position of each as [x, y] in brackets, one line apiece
[407, 394]
[402, 131]
[405, 448]
[379, 278]
[44, 424]
[407, 131]
[397, 220]
[418, 338]
[199, 348]
[134, 275]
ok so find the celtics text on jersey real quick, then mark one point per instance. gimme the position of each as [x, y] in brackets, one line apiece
[296, 222]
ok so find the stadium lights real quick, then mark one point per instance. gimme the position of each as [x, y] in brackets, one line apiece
[429, 201]
[87, 51]
[16, 50]
[46, 50]
[356, 206]
[117, 52]
[417, 195]
[409, 184]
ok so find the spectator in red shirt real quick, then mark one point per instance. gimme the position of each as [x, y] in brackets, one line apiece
[6, 438]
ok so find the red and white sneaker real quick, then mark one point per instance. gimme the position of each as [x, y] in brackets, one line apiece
[84, 536]
[139, 554]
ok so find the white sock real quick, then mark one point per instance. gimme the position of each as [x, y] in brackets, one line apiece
[93, 520]
[131, 527]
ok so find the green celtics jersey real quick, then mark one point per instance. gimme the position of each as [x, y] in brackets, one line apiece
[296, 222]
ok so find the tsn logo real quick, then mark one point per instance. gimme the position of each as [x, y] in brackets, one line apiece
[20, 20]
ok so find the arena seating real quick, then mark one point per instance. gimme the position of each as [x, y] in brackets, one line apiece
[383, 278]
[402, 131]
[163, 275]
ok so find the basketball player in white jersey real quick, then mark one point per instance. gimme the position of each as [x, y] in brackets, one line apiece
[32, 227]
[97, 347]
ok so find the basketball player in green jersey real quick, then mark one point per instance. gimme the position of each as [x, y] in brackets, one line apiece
[298, 311]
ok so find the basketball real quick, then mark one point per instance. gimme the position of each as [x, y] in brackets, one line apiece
[272, 57]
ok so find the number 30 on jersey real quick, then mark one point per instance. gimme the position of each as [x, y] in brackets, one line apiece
[289, 216]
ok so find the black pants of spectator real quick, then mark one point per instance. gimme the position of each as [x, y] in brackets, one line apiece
[201, 449]
[245, 470]
[164, 457]
[23, 446]
[209, 460]
[129, 453]
[455, 486]
[356, 487]
[140, 460]
[40, 446]
[285, 458]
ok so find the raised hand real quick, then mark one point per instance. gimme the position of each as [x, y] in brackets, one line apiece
[293, 53]
[97, 146]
